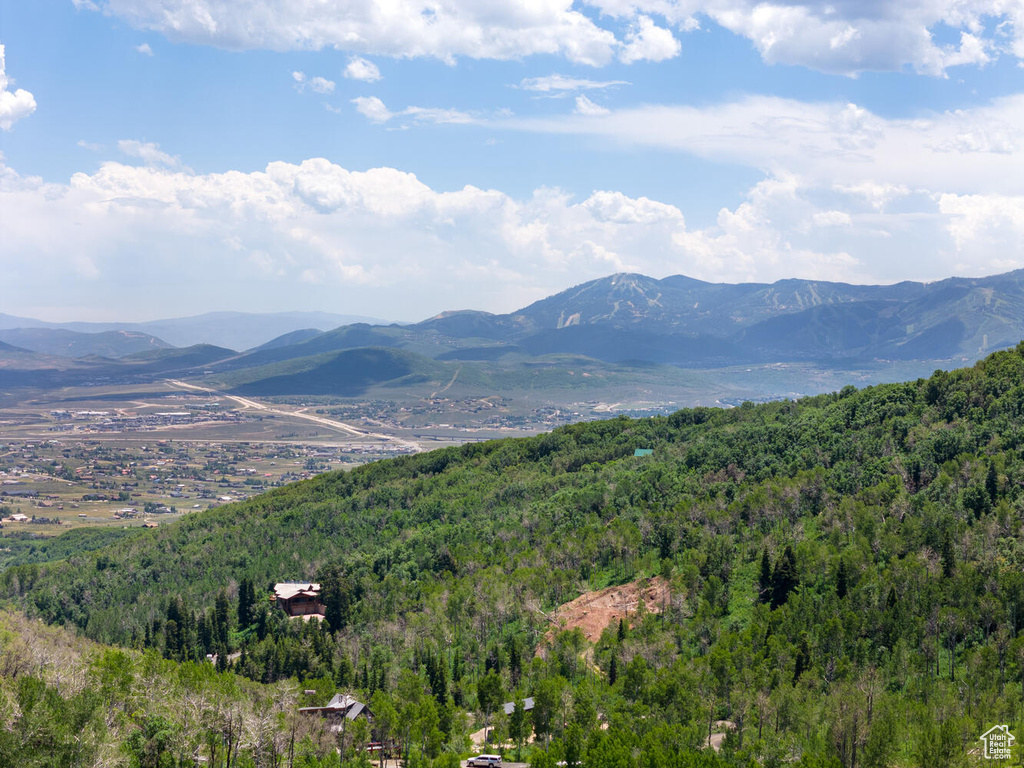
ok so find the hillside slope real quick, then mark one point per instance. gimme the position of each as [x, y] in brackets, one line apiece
[51, 341]
[847, 553]
[71, 702]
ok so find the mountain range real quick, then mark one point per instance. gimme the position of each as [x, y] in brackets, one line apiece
[623, 319]
[235, 330]
[688, 322]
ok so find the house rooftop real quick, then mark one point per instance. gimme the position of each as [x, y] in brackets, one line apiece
[286, 590]
[341, 704]
[509, 706]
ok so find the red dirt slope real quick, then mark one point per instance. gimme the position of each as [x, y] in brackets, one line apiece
[593, 611]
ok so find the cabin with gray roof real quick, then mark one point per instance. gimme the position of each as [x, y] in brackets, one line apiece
[340, 707]
[509, 706]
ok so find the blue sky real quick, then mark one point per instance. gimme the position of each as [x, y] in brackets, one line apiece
[396, 159]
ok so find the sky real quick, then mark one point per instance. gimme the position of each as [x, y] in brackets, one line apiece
[399, 158]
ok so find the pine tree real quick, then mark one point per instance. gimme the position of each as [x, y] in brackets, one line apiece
[784, 580]
[802, 660]
[437, 675]
[514, 651]
[335, 592]
[841, 585]
[948, 556]
[172, 640]
[221, 614]
[992, 482]
[343, 672]
[664, 543]
[493, 662]
[261, 622]
[246, 599]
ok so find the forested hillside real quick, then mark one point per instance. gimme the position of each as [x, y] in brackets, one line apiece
[67, 702]
[845, 571]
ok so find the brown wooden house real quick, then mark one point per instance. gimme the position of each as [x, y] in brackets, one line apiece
[299, 598]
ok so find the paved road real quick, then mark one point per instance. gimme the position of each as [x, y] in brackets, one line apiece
[340, 425]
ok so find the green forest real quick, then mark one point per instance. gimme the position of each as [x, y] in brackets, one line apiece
[845, 575]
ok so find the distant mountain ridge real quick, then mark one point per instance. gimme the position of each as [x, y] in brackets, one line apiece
[620, 320]
[234, 330]
[628, 319]
[65, 343]
[684, 321]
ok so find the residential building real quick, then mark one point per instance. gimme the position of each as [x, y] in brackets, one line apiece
[299, 598]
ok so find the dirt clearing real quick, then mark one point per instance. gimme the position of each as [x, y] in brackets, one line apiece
[592, 612]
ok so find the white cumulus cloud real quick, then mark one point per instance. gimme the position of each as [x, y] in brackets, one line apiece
[849, 37]
[373, 234]
[646, 41]
[321, 85]
[144, 49]
[986, 225]
[316, 84]
[16, 104]
[500, 29]
[359, 68]
[372, 108]
[843, 37]
[383, 242]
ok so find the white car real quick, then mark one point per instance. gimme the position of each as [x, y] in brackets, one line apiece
[485, 761]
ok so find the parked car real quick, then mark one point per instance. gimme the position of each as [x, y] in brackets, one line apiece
[485, 761]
